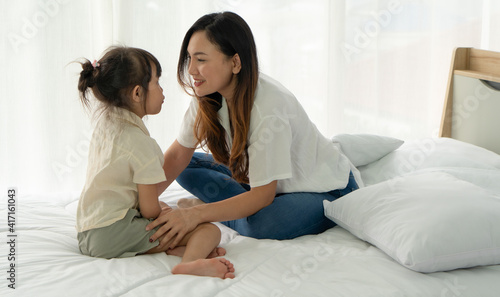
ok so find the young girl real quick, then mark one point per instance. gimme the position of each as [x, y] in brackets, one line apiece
[125, 165]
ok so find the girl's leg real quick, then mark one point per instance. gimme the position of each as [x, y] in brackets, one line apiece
[205, 239]
[199, 244]
[179, 252]
[194, 249]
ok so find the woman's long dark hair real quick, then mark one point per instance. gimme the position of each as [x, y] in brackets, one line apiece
[231, 35]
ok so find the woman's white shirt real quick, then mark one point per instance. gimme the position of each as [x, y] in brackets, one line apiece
[283, 143]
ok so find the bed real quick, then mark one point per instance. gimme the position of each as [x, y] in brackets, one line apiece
[425, 223]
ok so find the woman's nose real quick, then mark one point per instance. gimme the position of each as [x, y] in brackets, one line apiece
[191, 69]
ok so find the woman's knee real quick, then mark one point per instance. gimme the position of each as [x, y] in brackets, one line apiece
[289, 216]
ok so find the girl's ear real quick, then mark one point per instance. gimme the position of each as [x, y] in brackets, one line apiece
[137, 94]
[236, 64]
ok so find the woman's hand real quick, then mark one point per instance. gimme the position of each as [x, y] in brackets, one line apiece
[176, 223]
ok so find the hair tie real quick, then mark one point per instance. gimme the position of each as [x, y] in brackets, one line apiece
[95, 64]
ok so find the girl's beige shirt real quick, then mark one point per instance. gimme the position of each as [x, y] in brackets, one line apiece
[121, 155]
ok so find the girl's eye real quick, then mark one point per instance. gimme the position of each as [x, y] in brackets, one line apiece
[201, 60]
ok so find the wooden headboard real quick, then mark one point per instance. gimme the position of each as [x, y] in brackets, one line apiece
[471, 110]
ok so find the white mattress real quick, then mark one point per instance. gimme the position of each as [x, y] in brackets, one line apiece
[334, 263]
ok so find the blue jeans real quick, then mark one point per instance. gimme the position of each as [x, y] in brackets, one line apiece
[290, 215]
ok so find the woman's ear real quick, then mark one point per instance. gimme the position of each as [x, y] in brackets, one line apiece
[137, 94]
[236, 64]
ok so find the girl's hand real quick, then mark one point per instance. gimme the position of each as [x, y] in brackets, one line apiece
[176, 224]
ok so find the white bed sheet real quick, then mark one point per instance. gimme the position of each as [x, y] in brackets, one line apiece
[334, 263]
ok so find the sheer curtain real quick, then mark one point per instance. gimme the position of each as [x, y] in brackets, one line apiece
[357, 66]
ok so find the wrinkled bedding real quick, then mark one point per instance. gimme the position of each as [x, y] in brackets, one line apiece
[334, 263]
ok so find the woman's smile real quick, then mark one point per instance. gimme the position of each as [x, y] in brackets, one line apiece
[198, 82]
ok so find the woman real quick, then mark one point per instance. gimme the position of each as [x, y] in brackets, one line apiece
[272, 168]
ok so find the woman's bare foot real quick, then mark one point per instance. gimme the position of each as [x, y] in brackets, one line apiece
[188, 202]
[216, 267]
[179, 252]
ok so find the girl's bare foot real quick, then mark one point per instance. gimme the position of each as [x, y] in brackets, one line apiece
[179, 252]
[216, 267]
[188, 202]
[217, 252]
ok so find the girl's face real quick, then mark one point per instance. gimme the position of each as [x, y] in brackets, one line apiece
[155, 97]
[210, 69]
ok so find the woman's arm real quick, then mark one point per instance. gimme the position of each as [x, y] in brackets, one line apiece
[237, 207]
[178, 222]
[177, 158]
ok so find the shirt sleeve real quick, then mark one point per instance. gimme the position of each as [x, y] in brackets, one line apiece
[147, 163]
[186, 135]
[269, 151]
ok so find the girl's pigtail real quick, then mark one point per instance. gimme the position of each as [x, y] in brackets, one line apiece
[86, 81]
[113, 77]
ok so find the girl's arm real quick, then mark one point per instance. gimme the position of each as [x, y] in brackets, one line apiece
[177, 158]
[178, 222]
[149, 204]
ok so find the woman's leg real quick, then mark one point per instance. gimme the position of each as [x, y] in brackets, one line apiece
[289, 216]
[209, 181]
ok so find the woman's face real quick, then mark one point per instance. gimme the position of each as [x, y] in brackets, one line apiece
[210, 69]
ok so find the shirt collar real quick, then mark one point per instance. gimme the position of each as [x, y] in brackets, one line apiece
[127, 116]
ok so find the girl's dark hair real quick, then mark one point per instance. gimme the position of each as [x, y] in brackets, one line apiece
[113, 77]
[231, 35]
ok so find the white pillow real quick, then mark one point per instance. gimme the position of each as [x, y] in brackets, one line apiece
[429, 153]
[427, 222]
[363, 149]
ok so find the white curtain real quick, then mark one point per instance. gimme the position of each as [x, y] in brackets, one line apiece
[357, 66]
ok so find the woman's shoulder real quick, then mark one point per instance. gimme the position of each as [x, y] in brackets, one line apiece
[268, 86]
[271, 96]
